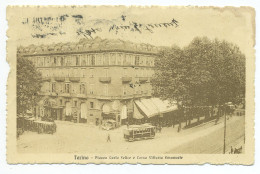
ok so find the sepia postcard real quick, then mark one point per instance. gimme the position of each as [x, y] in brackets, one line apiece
[130, 84]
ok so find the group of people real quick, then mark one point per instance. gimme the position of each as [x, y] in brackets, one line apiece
[235, 150]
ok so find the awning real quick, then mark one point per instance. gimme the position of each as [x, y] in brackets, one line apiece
[106, 109]
[124, 112]
[137, 114]
[164, 106]
[153, 106]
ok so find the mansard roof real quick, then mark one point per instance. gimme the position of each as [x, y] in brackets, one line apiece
[89, 45]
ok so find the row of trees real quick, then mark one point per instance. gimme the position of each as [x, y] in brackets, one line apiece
[29, 82]
[206, 72]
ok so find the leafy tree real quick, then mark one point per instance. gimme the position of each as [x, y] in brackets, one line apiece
[29, 82]
[203, 73]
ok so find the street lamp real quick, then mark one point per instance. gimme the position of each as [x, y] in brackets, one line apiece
[225, 127]
[225, 108]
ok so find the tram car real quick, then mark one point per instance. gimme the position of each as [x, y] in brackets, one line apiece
[139, 132]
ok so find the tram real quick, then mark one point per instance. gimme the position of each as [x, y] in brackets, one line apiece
[138, 132]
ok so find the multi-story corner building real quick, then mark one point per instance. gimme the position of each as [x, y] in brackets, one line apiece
[92, 80]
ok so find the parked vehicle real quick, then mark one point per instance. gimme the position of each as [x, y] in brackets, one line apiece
[109, 124]
[138, 132]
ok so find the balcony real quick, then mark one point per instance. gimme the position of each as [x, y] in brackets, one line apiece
[126, 79]
[65, 95]
[44, 93]
[54, 94]
[118, 97]
[59, 79]
[46, 79]
[143, 79]
[74, 79]
[105, 79]
[81, 96]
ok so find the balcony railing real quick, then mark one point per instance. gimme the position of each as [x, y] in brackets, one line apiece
[46, 79]
[104, 97]
[65, 95]
[126, 79]
[74, 79]
[143, 79]
[105, 79]
[81, 96]
[54, 94]
[44, 93]
[120, 97]
[59, 79]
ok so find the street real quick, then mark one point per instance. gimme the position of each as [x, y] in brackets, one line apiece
[82, 138]
[213, 142]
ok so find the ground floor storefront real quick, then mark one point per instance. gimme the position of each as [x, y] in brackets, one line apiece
[81, 110]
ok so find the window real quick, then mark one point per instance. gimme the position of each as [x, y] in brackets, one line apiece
[75, 72]
[46, 87]
[60, 74]
[127, 59]
[73, 87]
[124, 90]
[152, 63]
[106, 89]
[106, 72]
[125, 72]
[61, 61]
[60, 101]
[87, 59]
[77, 60]
[75, 103]
[67, 72]
[45, 73]
[119, 59]
[91, 106]
[67, 88]
[99, 59]
[92, 73]
[61, 87]
[68, 58]
[53, 87]
[83, 72]
[137, 59]
[82, 88]
[142, 72]
[83, 60]
[92, 60]
[112, 59]
[106, 59]
[54, 61]
[136, 72]
[91, 90]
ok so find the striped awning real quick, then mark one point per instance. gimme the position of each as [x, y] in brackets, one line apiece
[152, 107]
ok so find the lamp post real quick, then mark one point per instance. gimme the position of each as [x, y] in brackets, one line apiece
[225, 127]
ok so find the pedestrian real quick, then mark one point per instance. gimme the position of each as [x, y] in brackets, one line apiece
[179, 128]
[159, 128]
[108, 138]
[231, 151]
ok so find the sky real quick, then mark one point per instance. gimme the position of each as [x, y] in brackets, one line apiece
[28, 26]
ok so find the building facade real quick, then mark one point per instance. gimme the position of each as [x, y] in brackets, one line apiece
[92, 80]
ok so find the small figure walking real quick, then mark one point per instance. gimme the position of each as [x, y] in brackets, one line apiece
[108, 138]
[179, 128]
[231, 150]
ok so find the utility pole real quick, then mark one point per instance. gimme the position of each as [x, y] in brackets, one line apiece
[225, 126]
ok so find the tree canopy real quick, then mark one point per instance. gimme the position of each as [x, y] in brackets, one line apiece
[206, 72]
[29, 82]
